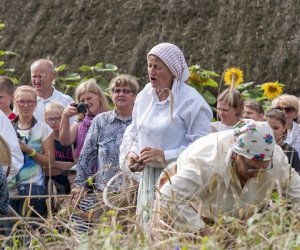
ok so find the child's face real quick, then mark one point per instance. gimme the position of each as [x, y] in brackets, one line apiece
[5, 100]
[53, 118]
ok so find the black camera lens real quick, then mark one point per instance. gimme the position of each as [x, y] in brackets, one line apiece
[81, 107]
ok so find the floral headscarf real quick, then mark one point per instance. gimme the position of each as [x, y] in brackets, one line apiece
[255, 141]
[173, 57]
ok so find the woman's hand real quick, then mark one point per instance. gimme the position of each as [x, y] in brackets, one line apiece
[70, 111]
[24, 148]
[152, 155]
[134, 162]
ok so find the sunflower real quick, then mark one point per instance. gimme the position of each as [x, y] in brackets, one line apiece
[194, 78]
[271, 89]
[233, 75]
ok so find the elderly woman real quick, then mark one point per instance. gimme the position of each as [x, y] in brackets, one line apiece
[289, 104]
[168, 116]
[229, 109]
[89, 93]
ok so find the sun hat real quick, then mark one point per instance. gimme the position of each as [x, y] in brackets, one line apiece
[254, 140]
[5, 155]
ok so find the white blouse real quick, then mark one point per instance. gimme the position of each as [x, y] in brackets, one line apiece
[168, 125]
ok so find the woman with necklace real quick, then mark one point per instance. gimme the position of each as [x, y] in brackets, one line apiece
[36, 143]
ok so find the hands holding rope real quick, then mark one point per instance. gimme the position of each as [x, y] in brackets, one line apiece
[148, 155]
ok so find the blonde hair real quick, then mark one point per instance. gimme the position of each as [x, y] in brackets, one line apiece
[54, 106]
[92, 86]
[25, 88]
[287, 100]
[233, 98]
[124, 80]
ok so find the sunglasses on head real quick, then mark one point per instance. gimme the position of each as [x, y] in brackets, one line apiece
[287, 109]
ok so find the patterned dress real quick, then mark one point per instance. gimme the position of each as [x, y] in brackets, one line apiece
[100, 154]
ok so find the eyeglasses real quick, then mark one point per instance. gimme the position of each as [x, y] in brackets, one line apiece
[252, 169]
[53, 119]
[124, 91]
[288, 109]
[22, 103]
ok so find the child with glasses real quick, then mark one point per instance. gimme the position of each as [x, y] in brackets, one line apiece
[289, 104]
[63, 154]
[7, 89]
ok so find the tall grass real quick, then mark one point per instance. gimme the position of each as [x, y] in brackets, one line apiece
[278, 227]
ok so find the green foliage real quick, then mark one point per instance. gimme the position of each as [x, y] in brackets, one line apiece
[68, 81]
[202, 80]
[4, 54]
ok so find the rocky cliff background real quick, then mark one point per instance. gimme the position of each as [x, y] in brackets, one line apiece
[262, 37]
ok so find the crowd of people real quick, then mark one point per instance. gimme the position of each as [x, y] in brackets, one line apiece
[224, 166]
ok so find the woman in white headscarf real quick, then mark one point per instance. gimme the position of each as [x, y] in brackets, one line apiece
[168, 116]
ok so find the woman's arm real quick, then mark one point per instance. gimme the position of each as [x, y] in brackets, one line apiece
[67, 133]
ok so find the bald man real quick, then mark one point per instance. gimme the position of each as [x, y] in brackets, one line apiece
[42, 77]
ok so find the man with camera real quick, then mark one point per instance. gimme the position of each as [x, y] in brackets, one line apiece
[42, 77]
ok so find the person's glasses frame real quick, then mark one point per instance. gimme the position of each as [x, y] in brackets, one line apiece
[288, 109]
[124, 91]
[22, 103]
[252, 170]
[53, 119]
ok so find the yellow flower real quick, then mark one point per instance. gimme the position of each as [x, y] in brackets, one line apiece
[194, 78]
[271, 89]
[233, 75]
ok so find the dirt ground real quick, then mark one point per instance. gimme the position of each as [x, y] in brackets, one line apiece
[262, 37]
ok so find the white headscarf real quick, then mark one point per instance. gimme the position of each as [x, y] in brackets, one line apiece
[255, 141]
[173, 57]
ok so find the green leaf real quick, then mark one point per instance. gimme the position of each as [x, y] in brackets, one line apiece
[85, 68]
[108, 68]
[61, 68]
[10, 70]
[2, 26]
[244, 85]
[209, 97]
[8, 53]
[211, 83]
[198, 87]
[2, 63]
[99, 65]
[15, 80]
[212, 73]
[71, 77]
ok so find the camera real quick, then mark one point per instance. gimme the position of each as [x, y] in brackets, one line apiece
[81, 107]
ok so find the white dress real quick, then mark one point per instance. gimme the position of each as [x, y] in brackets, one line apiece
[219, 126]
[167, 125]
